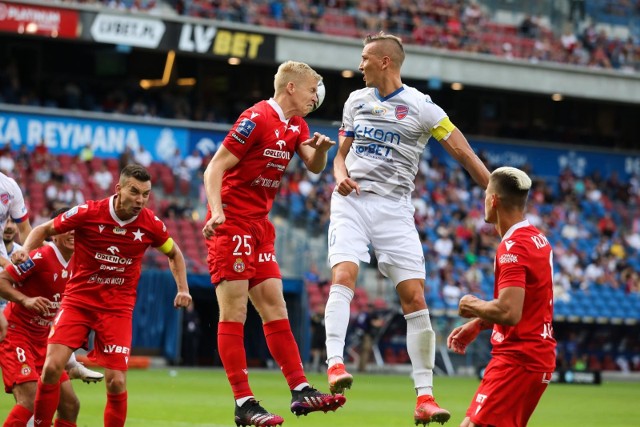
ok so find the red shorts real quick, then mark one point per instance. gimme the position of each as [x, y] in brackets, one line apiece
[507, 396]
[21, 358]
[243, 251]
[112, 342]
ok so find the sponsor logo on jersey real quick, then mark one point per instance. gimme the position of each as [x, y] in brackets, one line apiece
[113, 250]
[96, 278]
[277, 154]
[237, 138]
[112, 268]
[377, 110]
[64, 274]
[376, 134]
[277, 166]
[113, 259]
[245, 127]
[265, 182]
[38, 255]
[497, 336]
[267, 257]
[508, 259]
[115, 349]
[5, 198]
[359, 107]
[401, 111]
[119, 230]
[101, 228]
[239, 265]
[281, 144]
[25, 266]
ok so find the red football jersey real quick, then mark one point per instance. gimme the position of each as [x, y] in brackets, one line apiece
[265, 142]
[524, 259]
[44, 275]
[108, 254]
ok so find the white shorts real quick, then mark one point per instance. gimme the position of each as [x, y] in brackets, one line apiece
[386, 224]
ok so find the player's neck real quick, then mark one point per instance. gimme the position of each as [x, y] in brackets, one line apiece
[506, 220]
[389, 86]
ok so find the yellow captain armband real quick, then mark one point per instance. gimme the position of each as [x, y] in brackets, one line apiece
[442, 129]
[166, 246]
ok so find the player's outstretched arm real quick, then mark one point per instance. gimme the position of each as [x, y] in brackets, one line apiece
[313, 152]
[33, 241]
[458, 147]
[40, 305]
[179, 270]
[24, 228]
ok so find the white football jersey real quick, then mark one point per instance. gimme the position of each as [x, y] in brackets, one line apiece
[11, 204]
[389, 136]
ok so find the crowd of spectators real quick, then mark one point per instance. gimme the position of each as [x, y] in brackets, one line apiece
[457, 25]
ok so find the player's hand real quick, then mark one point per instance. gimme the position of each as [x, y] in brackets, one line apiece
[4, 325]
[216, 220]
[19, 256]
[182, 300]
[346, 186]
[319, 142]
[462, 336]
[465, 306]
[40, 305]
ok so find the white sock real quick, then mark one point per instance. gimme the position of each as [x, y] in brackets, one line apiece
[336, 321]
[242, 400]
[71, 362]
[421, 346]
[301, 386]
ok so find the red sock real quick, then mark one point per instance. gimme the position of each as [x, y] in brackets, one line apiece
[234, 358]
[115, 413]
[18, 417]
[46, 403]
[284, 349]
[63, 423]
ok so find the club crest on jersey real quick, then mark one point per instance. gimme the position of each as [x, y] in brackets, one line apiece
[378, 110]
[5, 198]
[239, 265]
[120, 231]
[401, 111]
[245, 127]
[25, 370]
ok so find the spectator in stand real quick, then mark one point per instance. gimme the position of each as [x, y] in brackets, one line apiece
[103, 179]
[142, 156]
[9, 236]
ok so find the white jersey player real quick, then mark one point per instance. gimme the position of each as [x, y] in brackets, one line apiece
[385, 129]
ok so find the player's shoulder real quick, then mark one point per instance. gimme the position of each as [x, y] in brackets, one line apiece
[523, 240]
[149, 217]
[8, 183]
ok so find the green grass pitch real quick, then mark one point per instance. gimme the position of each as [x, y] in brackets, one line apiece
[202, 398]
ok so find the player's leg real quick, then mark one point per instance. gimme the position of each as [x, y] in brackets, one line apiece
[401, 259]
[421, 347]
[69, 405]
[115, 412]
[22, 411]
[348, 241]
[268, 299]
[77, 371]
[48, 393]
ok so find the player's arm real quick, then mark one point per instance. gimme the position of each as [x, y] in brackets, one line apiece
[344, 184]
[221, 162]
[504, 310]
[10, 293]
[178, 270]
[24, 228]
[313, 152]
[4, 325]
[458, 147]
[35, 239]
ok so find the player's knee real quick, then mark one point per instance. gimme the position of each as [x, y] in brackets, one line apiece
[116, 384]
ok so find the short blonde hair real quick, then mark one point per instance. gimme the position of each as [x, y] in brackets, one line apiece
[512, 186]
[391, 46]
[292, 71]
